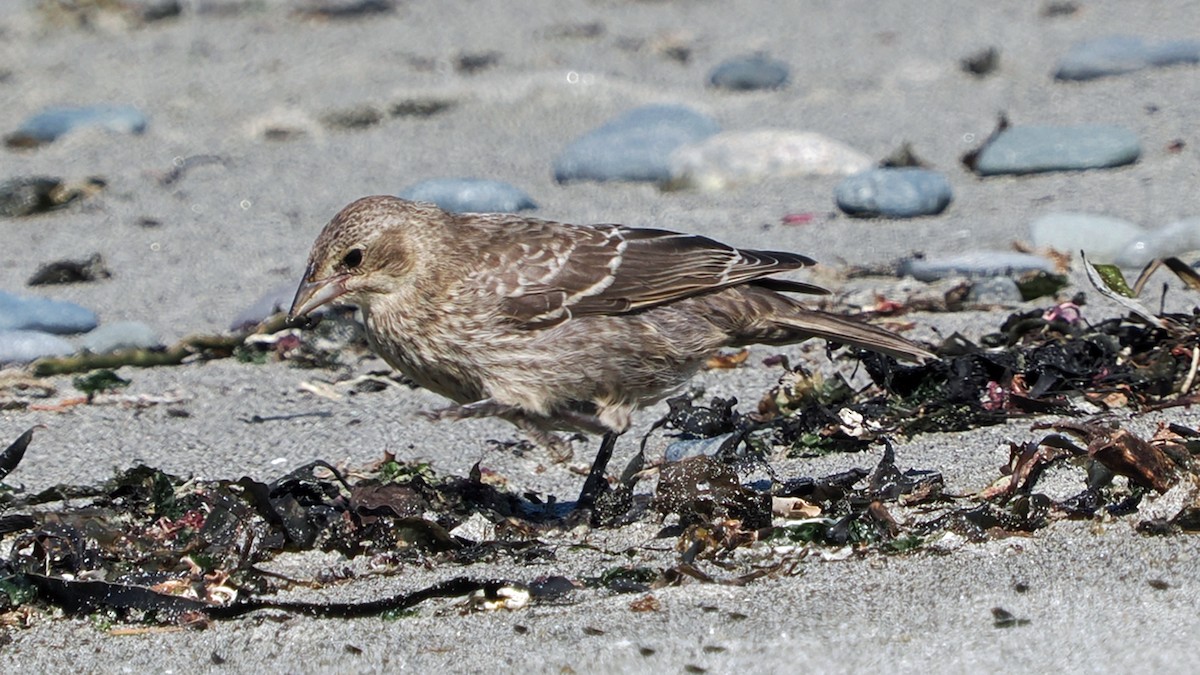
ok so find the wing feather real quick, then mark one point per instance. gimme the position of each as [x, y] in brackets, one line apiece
[546, 272]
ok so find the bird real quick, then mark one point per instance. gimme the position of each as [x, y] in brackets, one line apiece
[554, 326]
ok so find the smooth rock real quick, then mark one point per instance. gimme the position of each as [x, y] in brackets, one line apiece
[1022, 150]
[1119, 54]
[974, 264]
[1101, 237]
[274, 301]
[733, 158]
[903, 192]
[747, 73]
[683, 449]
[1177, 238]
[994, 291]
[23, 346]
[45, 315]
[52, 123]
[636, 146]
[120, 335]
[470, 195]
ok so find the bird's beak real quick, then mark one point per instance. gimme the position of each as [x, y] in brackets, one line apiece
[313, 294]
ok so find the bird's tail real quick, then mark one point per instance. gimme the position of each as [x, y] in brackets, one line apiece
[852, 332]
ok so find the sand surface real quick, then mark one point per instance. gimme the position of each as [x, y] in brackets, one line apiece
[871, 74]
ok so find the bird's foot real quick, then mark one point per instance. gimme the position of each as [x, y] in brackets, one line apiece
[559, 448]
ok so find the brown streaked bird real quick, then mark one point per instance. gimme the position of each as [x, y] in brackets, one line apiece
[557, 327]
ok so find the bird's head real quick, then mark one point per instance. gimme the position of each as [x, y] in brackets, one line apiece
[371, 247]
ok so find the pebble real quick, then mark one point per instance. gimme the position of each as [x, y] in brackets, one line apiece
[23, 346]
[748, 73]
[52, 123]
[120, 335]
[1103, 238]
[276, 300]
[1119, 54]
[42, 314]
[732, 158]
[894, 193]
[636, 146]
[1177, 238]
[470, 195]
[974, 264]
[1021, 150]
[995, 291]
[700, 447]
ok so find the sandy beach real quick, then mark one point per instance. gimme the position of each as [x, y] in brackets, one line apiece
[259, 87]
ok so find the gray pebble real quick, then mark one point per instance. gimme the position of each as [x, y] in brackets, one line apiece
[636, 146]
[1021, 150]
[52, 123]
[747, 73]
[974, 264]
[1118, 54]
[994, 291]
[120, 335]
[700, 447]
[1101, 237]
[894, 193]
[42, 314]
[276, 300]
[470, 195]
[23, 346]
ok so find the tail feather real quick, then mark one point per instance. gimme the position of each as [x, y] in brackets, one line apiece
[853, 332]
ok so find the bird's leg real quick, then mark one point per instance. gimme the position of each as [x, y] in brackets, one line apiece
[484, 408]
[596, 479]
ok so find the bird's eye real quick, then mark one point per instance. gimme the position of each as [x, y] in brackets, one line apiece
[353, 258]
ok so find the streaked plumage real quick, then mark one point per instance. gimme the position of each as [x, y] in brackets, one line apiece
[556, 326]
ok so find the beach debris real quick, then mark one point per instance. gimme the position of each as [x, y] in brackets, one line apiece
[91, 268]
[30, 195]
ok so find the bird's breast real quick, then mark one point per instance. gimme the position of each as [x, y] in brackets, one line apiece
[427, 349]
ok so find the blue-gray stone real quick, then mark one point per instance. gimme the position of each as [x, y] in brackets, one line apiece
[746, 73]
[23, 346]
[1118, 54]
[974, 264]
[51, 123]
[893, 193]
[470, 195]
[636, 146]
[119, 335]
[41, 314]
[1103, 238]
[701, 447]
[995, 291]
[277, 299]
[1021, 150]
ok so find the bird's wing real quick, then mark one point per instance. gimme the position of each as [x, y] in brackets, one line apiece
[546, 273]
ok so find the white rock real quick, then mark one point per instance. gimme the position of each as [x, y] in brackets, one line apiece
[1181, 236]
[735, 158]
[1103, 238]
